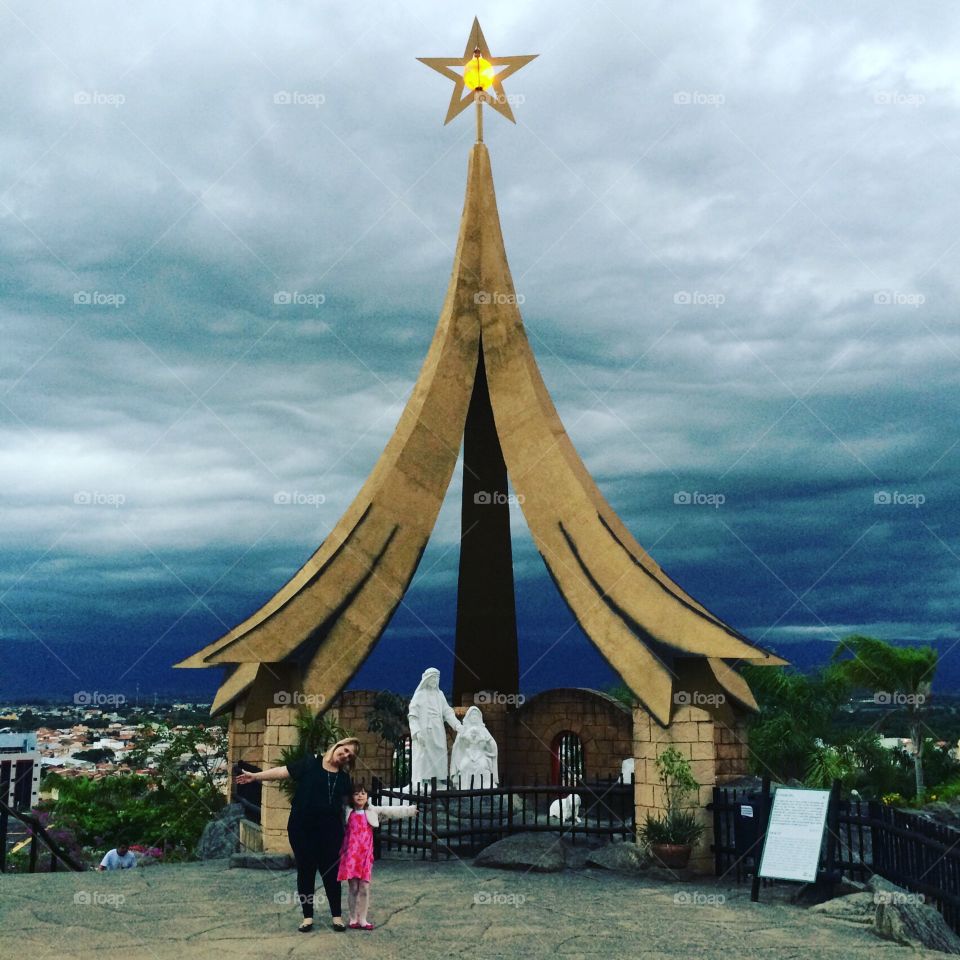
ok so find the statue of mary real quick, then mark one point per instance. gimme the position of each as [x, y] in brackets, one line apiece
[474, 753]
[426, 714]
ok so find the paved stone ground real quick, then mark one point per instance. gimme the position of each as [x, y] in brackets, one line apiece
[422, 910]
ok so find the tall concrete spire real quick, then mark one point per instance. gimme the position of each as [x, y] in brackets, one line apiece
[317, 630]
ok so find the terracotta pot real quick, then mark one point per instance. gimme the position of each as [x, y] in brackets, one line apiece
[675, 855]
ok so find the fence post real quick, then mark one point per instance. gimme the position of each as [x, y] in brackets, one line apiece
[376, 793]
[876, 842]
[761, 838]
[833, 828]
[434, 852]
[715, 807]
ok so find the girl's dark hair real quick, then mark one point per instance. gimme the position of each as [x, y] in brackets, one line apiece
[359, 785]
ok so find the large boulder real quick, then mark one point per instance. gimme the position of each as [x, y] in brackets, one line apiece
[221, 836]
[915, 924]
[855, 908]
[539, 852]
[903, 917]
[624, 857]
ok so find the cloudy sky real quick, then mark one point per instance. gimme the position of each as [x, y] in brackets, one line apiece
[734, 227]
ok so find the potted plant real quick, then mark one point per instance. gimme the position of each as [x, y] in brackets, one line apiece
[672, 835]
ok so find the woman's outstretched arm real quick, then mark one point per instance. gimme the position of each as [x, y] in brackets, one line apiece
[274, 773]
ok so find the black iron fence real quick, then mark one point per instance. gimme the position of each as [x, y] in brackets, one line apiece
[863, 837]
[461, 821]
[38, 837]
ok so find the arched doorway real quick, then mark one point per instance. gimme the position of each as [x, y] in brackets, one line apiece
[566, 759]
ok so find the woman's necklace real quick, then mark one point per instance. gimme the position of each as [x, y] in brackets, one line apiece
[331, 783]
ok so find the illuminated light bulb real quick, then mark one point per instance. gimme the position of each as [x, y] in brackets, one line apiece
[478, 74]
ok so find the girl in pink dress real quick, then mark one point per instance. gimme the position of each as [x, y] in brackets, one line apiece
[356, 854]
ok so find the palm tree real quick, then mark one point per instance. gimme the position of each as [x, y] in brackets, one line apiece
[900, 676]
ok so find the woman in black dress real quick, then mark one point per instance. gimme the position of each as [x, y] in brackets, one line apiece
[315, 826]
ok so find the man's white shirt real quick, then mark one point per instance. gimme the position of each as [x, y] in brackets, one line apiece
[113, 860]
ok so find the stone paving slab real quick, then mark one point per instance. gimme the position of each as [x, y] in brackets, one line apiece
[422, 910]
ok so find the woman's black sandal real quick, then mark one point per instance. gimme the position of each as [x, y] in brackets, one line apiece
[305, 927]
[339, 927]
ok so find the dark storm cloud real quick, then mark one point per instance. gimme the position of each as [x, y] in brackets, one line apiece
[227, 232]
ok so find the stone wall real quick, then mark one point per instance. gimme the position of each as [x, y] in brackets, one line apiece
[715, 745]
[281, 732]
[244, 740]
[604, 726]
[351, 709]
[732, 750]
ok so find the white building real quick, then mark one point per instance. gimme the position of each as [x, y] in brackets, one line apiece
[19, 770]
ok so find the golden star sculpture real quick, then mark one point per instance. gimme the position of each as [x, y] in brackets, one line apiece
[474, 73]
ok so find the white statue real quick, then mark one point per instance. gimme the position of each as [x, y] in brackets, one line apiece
[474, 753]
[627, 768]
[566, 809]
[428, 739]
